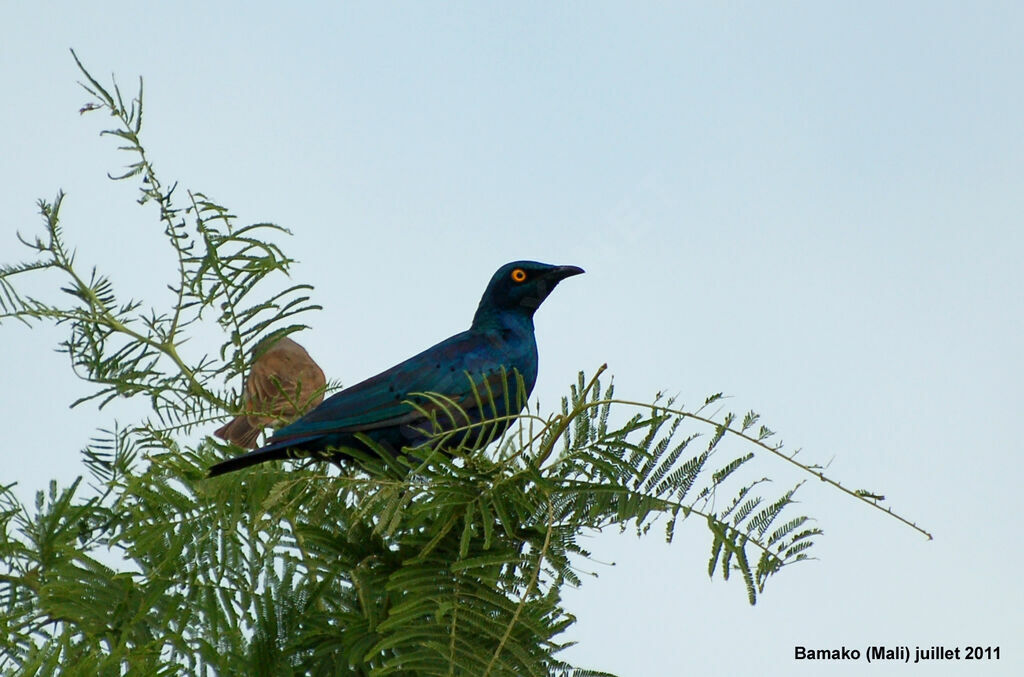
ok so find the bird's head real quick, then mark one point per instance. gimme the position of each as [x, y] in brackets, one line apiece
[520, 287]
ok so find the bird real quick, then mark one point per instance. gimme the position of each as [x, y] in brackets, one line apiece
[283, 383]
[485, 373]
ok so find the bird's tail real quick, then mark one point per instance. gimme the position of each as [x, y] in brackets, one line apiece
[275, 451]
[246, 460]
[239, 431]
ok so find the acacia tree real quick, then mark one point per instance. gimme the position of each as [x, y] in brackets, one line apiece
[447, 564]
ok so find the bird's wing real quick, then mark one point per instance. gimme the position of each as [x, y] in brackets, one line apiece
[268, 377]
[282, 381]
[384, 400]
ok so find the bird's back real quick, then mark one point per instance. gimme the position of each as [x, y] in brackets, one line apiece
[475, 372]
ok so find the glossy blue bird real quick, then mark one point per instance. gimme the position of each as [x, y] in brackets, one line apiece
[485, 373]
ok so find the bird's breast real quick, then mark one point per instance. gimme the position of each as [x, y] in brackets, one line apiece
[517, 350]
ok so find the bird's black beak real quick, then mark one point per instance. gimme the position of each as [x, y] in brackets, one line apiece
[561, 272]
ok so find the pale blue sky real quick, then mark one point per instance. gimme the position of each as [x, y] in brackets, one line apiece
[814, 207]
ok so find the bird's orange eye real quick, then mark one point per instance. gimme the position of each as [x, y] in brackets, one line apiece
[518, 275]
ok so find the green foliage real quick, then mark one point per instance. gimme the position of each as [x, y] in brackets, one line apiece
[438, 565]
